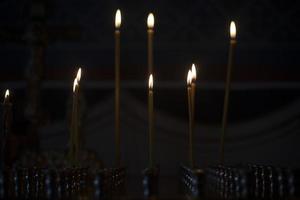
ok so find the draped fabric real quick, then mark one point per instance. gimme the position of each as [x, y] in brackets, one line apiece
[270, 139]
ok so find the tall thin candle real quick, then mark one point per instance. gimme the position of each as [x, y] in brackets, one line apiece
[193, 93]
[7, 122]
[72, 128]
[74, 125]
[117, 88]
[77, 111]
[189, 94]
[228, 87]
[7, 112]
[75, 121]
[151, 119]
[150, 25]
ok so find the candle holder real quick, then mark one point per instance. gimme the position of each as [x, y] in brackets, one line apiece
[9, 180]
[192, 181]
[1, 185]
[108, 183]
[150, 181]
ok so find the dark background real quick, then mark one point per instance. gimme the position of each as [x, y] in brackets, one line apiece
[42, 43]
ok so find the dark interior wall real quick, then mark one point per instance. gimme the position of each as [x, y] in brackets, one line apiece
[264, 109]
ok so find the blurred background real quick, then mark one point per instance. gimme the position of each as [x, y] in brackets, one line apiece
[43, 42]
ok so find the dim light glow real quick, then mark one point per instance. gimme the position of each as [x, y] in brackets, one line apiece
[194, 72]
[150, 20]
[118, 19]
[189, 78]
[78, 75]
[6, 94]
[232, 30]
[150, 82]
[75, 84]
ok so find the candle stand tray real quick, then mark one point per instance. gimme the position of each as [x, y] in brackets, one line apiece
[61, 183]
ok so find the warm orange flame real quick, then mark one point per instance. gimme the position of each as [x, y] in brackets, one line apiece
[189, 78]
[78, 75]
[150, 82]
[194, 72]
[118, 19]
[75, 84]
[232, 30]
[150, 20]
[6, 94]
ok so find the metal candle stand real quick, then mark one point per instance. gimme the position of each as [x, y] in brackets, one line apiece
[252, 182]
[65, 183]
[240, 182]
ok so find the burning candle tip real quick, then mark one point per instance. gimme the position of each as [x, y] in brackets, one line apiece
[78, 75]
[232, 30]
[118, 19]
[6, 94]
[150, 21]
[189, 78]
[194, 72]
[150, 83]
[75, 84]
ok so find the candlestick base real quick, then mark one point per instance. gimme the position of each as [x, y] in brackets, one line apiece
[150, 182]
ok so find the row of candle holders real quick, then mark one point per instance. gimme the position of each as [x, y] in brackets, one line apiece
[41, 183]
[241, 182]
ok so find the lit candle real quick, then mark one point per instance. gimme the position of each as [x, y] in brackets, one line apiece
[7, 112]
[75, 121]
[150, 25]
[7, 122]
[227, 87]
[151, 119]
[6, 96]
[117, 87]
[74, 125]
[78, 95]
[189, 94]
[193, 93]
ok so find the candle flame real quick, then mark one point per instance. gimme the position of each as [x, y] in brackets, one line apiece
[232, 30]
[78, 75]
[194, 72]
[75, 84]
[189, 78]
[118, 19]
[150, 82]
[6, 94]
[150, 20]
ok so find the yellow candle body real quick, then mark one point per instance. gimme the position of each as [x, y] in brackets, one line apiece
[151, 128]
[191, 156]
[7, 122]
[74, 132]
[117, 98]
[226, 97]
[193, 108]
[7, 116]
[150, 50]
